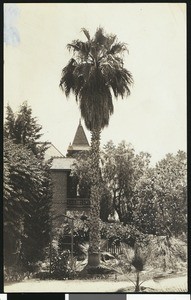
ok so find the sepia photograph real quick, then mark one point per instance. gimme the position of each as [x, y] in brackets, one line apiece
[95, 149]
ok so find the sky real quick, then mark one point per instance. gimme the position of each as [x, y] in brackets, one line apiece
[152, 118]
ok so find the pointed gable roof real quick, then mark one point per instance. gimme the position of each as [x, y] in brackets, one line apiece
[80, 142]
[80, 138]
[51, 150]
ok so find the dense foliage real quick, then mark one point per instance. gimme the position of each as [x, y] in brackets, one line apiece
[61, 268]
[160, 197]
[121, 169]
[27, 190]
[152, 199]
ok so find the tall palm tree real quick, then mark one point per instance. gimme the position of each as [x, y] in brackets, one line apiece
[94, 75]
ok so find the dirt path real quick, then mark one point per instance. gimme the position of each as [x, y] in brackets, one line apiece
[69, 286]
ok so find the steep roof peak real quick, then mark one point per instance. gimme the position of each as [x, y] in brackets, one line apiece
[80, 138]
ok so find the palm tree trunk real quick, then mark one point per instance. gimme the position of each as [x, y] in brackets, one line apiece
[95, 196]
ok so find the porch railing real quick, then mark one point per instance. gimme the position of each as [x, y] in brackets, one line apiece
[73, 203]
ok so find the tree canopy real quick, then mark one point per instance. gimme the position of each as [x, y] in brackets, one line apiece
[94, 74]
[160, 197]
[27, 189]
[153, 199]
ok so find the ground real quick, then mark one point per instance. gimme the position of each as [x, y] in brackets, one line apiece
[174, 284]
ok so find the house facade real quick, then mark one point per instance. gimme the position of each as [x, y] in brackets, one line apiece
[65, 192]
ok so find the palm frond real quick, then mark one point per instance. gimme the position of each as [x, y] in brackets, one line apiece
[96, 71]
[99, 37]
[96, 112]
[74, 46]
[67, 81]
[111, 39]
[118, 48]
[86, 32]
[80, 49]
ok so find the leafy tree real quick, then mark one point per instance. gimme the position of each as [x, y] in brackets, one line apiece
[95, 71]
[22, 183]
[171, 191]
[37, 223]
[9, 124]
[27, 185]
[121, 170]
[160, 197]
[23, 129]
[143, 204]
[146, 197]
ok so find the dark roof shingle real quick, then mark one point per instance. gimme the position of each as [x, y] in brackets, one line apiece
[80, 138]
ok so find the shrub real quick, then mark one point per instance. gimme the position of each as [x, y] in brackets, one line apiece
[15, 273]
[60, 268]
[116, 233]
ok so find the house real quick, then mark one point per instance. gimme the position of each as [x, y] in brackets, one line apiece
[65, 196]
[52, 151]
